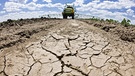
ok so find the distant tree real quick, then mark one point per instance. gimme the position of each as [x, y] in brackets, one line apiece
[128, 21]
[116, 21]
[102, 20]
[125, 22]
[94, 19]
[9, 20]
[107, 20]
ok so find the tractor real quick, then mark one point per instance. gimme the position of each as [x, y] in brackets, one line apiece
[69, 10]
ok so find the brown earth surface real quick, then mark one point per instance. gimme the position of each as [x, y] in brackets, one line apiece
[55, 47]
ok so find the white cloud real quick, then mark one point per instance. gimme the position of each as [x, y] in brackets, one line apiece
[95, 0]
[116, 5]
[19, 1]
[78, 2]
[133, 21]
[19, 15]
[35, 0]
[107, 4]
[34, 6]
[87, 7]
[101, 9]
[107, 14]
[134, 16]
[2, 12]
[47, 1]
[126, 3]
[57, 5]
[119, 16]
[95, 8]
[12, 6]
[130, 12]
[31, 6]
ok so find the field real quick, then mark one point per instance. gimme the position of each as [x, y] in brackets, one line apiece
[66, 47]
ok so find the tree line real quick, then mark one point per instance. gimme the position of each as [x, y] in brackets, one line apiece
[125, 22]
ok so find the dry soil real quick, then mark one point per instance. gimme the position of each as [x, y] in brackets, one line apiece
[63, 48]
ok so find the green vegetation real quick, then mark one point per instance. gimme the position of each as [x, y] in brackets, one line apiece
[95, 19]
[112, 21]
[124, 22]
[102, 20]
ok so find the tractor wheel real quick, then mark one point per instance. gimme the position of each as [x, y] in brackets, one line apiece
[72, 16]
[64, 17]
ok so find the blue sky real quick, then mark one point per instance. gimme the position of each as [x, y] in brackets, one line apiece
[112, 9]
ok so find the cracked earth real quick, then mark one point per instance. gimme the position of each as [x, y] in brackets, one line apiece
[71, 48]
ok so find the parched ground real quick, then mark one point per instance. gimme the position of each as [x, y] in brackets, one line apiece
[64, 48]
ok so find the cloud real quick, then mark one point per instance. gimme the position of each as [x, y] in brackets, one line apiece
[31, 14]
[33, 6]
[18, 15]
[133, 21]
[19, 1]
[57, 5]
[95, 0]
[95, 7]
[107, 4]
[78, 2]
[130, 12]
[12, 6]
[107, 14]
[47, 1]
[126, 3]
[2, 12]
[133, 16]
[104, 9]
[89, 6]
[35, 0]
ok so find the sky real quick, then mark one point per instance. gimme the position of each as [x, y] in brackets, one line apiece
[110, 9]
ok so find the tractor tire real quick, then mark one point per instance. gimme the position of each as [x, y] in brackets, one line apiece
[64, 17]
[72, 16]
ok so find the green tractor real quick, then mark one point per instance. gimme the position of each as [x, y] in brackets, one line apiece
[68, 11]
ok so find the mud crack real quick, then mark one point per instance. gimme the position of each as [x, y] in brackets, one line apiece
[59, 58]
[63, 63]
[4, 67]
[31, 68]
[70, 66]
